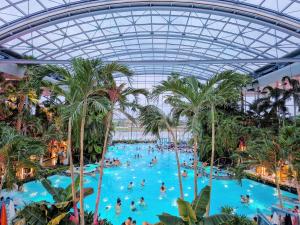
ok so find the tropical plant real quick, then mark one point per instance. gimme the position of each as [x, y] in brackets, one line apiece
[268, 152]
[15, 152]
[194, 213]
[220, 90]
[80, 86]
[184, 95]
[293, 91]
[154, 121]
[271, 106]
[289, 137]
[237, 219]
[45, 213]
[119, 101]
[191, 98]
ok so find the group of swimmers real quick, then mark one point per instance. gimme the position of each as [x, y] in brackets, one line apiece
[133, 207]
[162, 188]
[142, 202]
[112, 162]
[138, 156]
[190, 164]
[153, 161]
[245, 199]
[130, 221]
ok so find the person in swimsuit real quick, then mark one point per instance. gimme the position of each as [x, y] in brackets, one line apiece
[163, 188]
[130, 185]
[143, 183]
[132, 206]
[118, 206]
[142, 202]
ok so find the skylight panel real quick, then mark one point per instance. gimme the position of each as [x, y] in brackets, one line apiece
[10, 13]
[278, 5]
[293, 10]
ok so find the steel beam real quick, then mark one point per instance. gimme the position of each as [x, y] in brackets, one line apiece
[162, 62]
[88, 8]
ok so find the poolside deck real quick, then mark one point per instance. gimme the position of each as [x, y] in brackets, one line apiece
[288, 186]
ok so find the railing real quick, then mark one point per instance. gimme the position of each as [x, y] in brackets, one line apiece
[284, 212]
[262, 219]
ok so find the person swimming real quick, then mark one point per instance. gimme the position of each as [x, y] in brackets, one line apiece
[132, 206]
[184, 174]
[143, 182]
[128, 221]
[245, 199]
[162, 188]
[130, 185]
[142, 201]
[133, 222]
[150, 164]
[128, 163]
[118, 206]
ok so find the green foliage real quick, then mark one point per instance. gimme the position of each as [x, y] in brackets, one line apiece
[60, 194]
[16, 150]
[45, 213]
[236, 219]
[186, 212]
[201, 202]
[227, 210]
[193, 214]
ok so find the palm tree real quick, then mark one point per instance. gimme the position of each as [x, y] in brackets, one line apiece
[80, 86]
[191, 98]
[154, 120]
[15, 152]
[293, 91]
[118, 96]
[184, 95]
[220, 90]
[271, 105]
[67, 88]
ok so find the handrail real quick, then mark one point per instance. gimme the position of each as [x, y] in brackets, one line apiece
[262, 219]
[283, 212]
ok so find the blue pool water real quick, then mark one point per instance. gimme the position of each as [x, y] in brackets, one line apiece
[115, 181]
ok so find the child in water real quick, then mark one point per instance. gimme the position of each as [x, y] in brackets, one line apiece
[132, 206]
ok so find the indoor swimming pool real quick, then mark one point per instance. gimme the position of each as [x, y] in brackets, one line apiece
[116, 180]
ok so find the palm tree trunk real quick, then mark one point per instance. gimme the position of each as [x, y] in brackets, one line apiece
[178, 163]
[212, 158]
[195, 167]
[20, 111]
[101, 166]
[72, 168]
[3, 179]
[295, 109]
[83, 116]
[278, 189]
[296, 183]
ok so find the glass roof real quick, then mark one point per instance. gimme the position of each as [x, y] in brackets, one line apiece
[153, 30]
